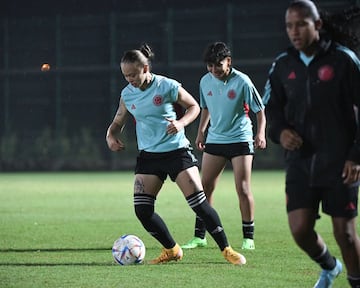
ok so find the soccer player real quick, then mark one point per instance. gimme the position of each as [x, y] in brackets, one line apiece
[312, 96]
[163, 150]
[226, 98]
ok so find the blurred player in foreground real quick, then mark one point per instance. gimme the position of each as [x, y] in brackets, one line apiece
[313, 95]
[226, 97]
[163, 150]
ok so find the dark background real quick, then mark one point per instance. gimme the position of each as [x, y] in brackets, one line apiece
[57, 120]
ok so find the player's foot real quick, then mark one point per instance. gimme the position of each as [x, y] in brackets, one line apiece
[167, 255]
[233, 257]
[248, 244]
[195, 242]
[327, 277]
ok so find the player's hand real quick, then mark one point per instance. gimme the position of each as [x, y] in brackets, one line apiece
[200, 142]
[351, 172]
[260, 142]
[290, 140]
[114, 144]
[174, 126]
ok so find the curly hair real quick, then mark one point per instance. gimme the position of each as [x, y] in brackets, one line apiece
[343, 27]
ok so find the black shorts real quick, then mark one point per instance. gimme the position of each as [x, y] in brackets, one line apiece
[231, 150]
[337, 199]
[167, 163]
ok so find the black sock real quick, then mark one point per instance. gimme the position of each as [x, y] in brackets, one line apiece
[152, 222]
[325, 260]
[248, 229]
[354, 281]
[202, 208]
[200, 228]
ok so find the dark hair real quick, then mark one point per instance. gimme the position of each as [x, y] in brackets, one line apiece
[216, 52]
[144, 55]
[340, 27]
[343, 27]
[307, 7]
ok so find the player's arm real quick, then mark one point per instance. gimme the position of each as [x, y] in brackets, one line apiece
[187, 101]
[113, 132]
[204, 121]
[351, 170]
[260, 139]
[279, 130]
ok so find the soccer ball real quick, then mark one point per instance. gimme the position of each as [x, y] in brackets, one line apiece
[128, 249]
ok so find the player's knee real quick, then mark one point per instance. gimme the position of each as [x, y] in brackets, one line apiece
[143, 206]
[345, 238]
[144, 212]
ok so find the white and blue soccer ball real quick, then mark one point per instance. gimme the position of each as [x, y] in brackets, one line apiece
[128, 250]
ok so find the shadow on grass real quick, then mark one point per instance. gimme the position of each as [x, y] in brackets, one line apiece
[10, 250]
[56, 264]
[55, 250]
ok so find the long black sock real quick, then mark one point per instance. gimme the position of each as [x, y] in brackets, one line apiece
[152, 222]
[200, 228]
[248, 229]
[202, 208]
[325, 260]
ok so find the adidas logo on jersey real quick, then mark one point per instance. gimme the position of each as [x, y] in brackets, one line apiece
[292, 75]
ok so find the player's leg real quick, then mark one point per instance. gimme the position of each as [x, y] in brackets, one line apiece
[302, 205]
[190, 184]
[146, 189]
[349, 243]
[242, 166]
[302, 223]
[212, 167]
[341, 202]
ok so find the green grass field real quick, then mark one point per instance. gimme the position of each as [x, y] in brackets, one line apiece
[57, 229]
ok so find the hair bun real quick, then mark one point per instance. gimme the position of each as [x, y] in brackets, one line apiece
[147, 51]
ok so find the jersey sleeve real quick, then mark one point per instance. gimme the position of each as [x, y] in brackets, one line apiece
[354, 90]
[275, 100]
[201, 94]
[174, 90]
[253, 98]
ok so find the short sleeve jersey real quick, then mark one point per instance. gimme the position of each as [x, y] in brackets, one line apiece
[229, 103]
[150, 108]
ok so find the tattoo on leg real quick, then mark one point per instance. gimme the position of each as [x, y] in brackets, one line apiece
[138, 186]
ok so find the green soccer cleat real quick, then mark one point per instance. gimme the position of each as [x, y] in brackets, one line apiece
[248, 244]
[195, 242]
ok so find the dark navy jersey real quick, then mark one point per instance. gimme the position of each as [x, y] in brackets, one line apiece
[319, 102]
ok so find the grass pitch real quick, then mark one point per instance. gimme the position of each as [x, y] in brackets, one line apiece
[57, 229]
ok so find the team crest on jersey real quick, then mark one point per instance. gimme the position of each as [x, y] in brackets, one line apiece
[326, 73]
[158, 100]
[231, 94]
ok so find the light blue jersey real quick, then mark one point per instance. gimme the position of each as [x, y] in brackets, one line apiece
[150, 108]
[229, 103]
